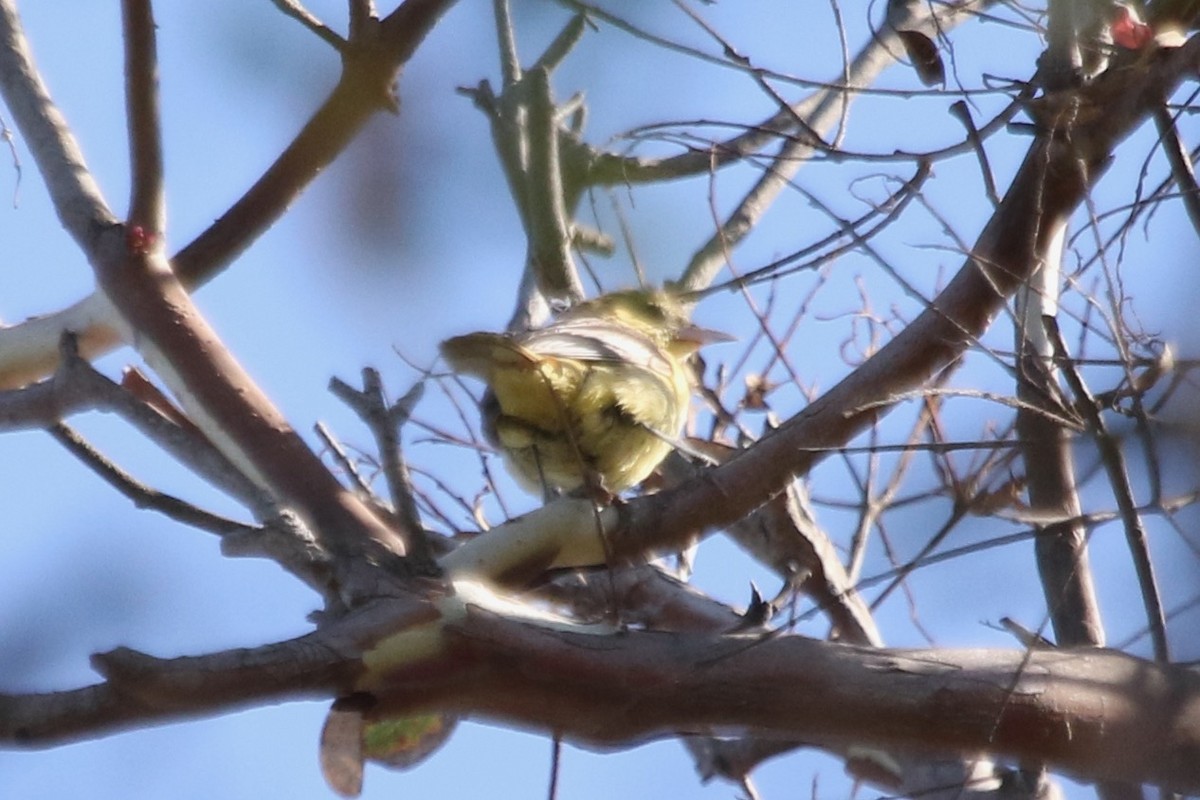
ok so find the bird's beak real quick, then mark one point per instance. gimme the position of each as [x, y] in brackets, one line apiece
[699, 337]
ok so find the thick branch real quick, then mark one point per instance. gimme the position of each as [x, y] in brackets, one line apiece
[1059, 169]
[1093, 712]
[76, 386]
[142, 689]
[29, 350]
[233, 412]
[1097, 713]
[1046, 447]
[235, 415]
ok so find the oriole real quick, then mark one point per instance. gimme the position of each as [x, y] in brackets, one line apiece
[597, 397]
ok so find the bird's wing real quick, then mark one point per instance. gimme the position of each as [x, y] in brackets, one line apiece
[481, 354]
[595, 340]
[526, 390]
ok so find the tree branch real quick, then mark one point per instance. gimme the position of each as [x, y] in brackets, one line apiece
[28, 350]
[76, 196]
[1054, 178]
[295, 10]
[385, 421]
[147, 204]
[1094, 713]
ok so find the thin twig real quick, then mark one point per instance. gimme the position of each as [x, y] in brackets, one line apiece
[963, 113]
[140, 494]
[279, 538]
[384, 422]
[295, 10]
[1118, 476]
[510, 60]
[339, 455]
[820, 111]
[1181, 165]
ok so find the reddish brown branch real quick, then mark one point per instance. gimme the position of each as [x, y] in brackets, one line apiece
[147, 204]
[1095, 713]
[369, 70]
[179, 345]
[235, 414]
[140, 689]
[371, 63]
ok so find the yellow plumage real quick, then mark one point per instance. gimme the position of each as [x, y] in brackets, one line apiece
[597, 396]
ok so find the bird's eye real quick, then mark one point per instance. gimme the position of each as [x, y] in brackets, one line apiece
[653, 311]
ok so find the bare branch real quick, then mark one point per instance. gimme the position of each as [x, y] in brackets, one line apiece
[343, 460]
[526, 132]
[1050, 706]
[1008, 250]
[820, 112]
[217, 393]
[142, 495]
[77, 198]
[385, 421]
[147, 203]
[1061, 547]
[1118, 476]
[141, 689]
[295, 10]
[1009, 703]
[1181, 164]
[825, 107]
[510, 59]
[369, 69]
[76, 387]
[549, 226]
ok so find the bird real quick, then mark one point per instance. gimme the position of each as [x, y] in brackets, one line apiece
[595, 399]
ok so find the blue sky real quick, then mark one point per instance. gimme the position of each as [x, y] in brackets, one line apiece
[410, 238]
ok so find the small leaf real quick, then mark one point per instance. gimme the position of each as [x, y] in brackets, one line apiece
[925, 57]
[1128, 30]
[404, 742]
[342, 745]
[757, 389]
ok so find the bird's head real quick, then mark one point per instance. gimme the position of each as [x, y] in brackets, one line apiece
[660, 314]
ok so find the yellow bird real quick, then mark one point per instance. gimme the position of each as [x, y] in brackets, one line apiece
[596, 398]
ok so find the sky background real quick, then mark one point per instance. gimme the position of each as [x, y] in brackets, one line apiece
[409, 238]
